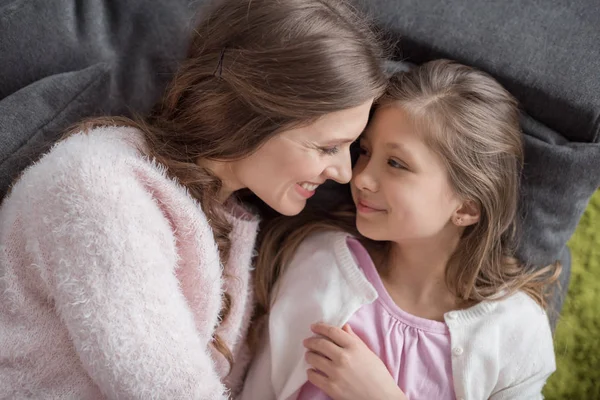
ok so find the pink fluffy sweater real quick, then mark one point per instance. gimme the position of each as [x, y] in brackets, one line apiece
[110, 280]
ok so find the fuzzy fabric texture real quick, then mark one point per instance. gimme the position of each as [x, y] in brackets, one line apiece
[111, 281]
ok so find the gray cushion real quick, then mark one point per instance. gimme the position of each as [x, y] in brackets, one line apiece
[559, 177]
[42, 42]
[141, 40]
[35, 116]
[546, 53]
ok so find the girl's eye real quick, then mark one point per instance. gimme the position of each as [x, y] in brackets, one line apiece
[363, 151]
[329, 150]
[395, 164]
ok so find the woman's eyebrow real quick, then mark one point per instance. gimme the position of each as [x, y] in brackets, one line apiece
[337, 141]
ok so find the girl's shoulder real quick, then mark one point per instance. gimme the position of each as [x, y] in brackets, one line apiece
[509, 338]
[327, 248]
[512, 321]
[522, 310]
[514, 309]
[518, 327]
[325, 242]
[326, 256]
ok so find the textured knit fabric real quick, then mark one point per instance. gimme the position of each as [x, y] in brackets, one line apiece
[415, 350]
[500, 350]
[112, 284]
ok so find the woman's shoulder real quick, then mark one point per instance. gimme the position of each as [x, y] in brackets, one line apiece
[84, 161]
[101, 170]
[102, 148]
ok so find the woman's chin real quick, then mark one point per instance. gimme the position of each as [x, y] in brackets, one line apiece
[288, 207]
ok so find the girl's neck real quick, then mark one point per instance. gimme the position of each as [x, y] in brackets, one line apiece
[414, 274]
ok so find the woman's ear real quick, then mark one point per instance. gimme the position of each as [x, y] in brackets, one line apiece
[467, 214]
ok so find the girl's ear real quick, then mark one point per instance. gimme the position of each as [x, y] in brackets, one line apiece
[467, 214]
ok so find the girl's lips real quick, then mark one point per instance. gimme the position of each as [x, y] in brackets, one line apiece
[366, 208]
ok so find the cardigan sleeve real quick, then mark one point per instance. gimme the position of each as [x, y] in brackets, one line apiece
[321, 283]
[534, 367]
[111, 265]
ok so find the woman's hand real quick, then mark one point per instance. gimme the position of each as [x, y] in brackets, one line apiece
[345, 368]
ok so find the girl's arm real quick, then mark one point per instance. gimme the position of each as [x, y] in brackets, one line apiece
[345, 368]
[533, 369]
[314, 287]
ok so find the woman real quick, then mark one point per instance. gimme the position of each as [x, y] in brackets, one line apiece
[127, 256]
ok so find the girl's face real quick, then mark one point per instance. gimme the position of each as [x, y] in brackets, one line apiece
[288, 168]
[400, 187]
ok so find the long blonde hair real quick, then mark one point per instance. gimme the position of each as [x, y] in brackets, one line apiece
[472, 122]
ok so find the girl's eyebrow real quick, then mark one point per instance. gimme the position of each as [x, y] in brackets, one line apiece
[404, 152]
[396, 146]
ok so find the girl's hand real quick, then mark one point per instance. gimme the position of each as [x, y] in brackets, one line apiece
[345, 368]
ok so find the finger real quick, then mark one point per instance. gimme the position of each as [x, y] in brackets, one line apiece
[319, 362]
[333, 333]
[348, 329]
[323, 346]
[319, 380]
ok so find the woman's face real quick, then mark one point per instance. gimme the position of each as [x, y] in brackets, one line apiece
[289, 167]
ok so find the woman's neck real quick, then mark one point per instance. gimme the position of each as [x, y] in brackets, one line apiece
[224, 171]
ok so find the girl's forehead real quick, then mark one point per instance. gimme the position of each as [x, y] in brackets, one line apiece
[391, 124]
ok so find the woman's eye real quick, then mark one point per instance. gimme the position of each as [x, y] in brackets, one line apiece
[396, 164]
[329, 150]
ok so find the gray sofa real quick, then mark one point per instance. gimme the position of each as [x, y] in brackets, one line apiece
[68, 59]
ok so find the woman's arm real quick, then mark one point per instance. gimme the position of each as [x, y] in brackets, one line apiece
[111, 257]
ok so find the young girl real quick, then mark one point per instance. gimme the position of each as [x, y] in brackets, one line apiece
[428, 284]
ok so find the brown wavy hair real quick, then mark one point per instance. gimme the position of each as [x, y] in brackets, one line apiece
[472, 122]
[253, 69]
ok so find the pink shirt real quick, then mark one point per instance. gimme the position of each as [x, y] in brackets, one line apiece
[415, 350]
